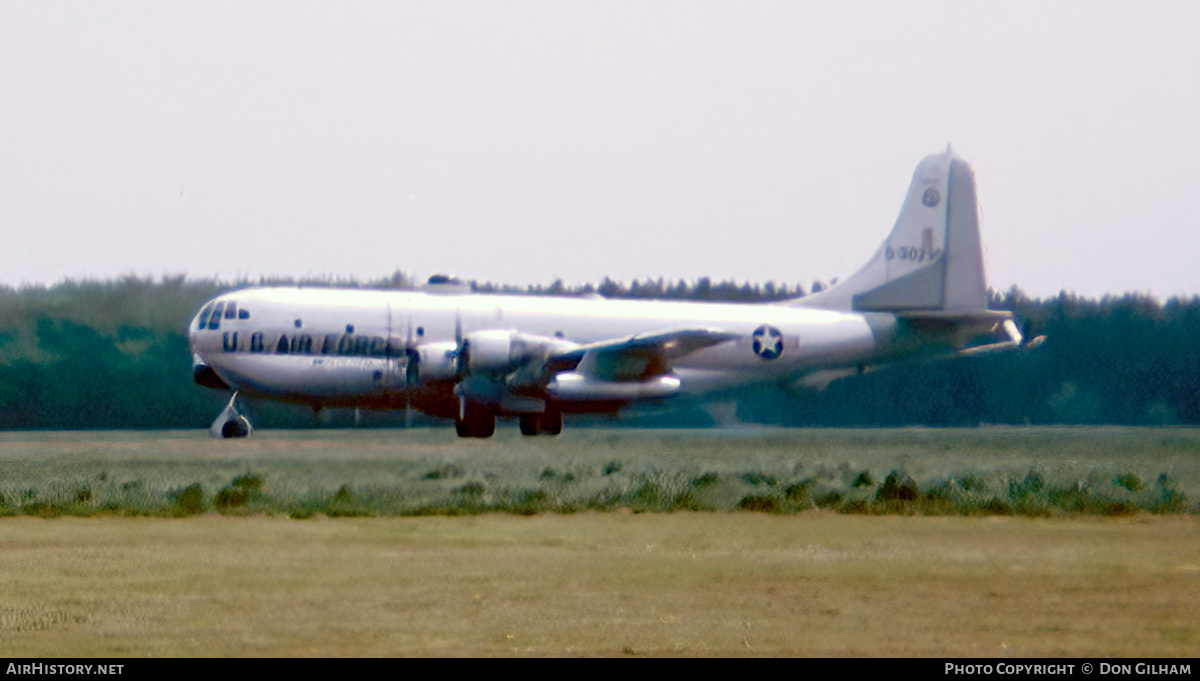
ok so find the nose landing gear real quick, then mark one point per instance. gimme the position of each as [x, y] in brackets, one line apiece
[230, 423]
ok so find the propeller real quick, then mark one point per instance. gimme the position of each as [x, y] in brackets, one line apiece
[463, 350]
[456, 360]
[410, 373]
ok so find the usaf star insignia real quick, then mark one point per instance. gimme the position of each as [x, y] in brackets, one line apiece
[768, 342]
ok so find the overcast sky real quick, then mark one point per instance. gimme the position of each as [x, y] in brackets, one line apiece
[520, 142]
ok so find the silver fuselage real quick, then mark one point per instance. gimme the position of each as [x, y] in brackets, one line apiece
[344, 347]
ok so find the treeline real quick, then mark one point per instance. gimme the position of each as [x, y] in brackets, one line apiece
[658, 289]
[114, 354]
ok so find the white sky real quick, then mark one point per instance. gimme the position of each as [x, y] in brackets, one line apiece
[519, 142]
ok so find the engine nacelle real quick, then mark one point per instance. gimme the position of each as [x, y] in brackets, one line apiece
[491, 352]
[436, 362]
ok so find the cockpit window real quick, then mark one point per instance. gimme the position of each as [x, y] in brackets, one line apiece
[231, 310]
[203, 320]
[215, 321]
[243, 313]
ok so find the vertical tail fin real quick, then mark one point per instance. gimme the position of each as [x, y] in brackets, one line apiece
[932, 260]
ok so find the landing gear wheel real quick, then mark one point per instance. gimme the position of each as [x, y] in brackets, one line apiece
[230, 423]
[531, 424]
[474, 419]
[238, 426]
[551, 422]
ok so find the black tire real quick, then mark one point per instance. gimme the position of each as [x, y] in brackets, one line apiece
[475, 420]
[531, 424]
[237, 426]
[551, 422]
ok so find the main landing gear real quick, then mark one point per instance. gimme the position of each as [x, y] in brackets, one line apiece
[474, 419]
[548, 422]
[477, 419]
[230, 422]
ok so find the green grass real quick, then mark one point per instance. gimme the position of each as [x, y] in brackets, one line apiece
[979, 543]
[338, 473]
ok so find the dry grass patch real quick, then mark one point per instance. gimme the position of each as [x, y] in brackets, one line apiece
[601, 584]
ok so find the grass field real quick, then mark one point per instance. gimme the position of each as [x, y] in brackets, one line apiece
[615, 584]
[1018, 542]
[983, 471]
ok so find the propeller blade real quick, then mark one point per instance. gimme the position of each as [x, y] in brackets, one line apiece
[463, 353]
[410, 373]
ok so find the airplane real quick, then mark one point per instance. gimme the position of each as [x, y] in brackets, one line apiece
[469, 357]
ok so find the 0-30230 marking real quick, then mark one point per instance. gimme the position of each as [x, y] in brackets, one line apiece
[912, 253]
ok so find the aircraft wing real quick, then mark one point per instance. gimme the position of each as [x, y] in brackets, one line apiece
[636, 357]
[637, 367]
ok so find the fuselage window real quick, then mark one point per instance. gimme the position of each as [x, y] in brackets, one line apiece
[330, 345]
[231, 310]
[346, 345]
[281, 348]
[203, 321]
[256, 344]
[214, 322]
[361, 345]
[229, 342]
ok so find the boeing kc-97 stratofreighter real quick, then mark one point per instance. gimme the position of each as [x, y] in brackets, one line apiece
[473, 357]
